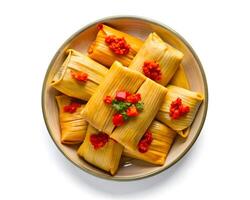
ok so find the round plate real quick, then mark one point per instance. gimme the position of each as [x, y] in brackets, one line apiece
[130, 169]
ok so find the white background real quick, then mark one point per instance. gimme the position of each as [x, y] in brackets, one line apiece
[217, 166]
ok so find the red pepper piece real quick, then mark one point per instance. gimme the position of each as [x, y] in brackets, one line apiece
[80, 76]
[100, 27]
[149, 137]
[121, 95]
[177, 109]
[69, 109]
[117, 45]
[108, 100]
[152, 70]
[184, 109]
[143, 147]
[99, 140]
[132, 111]
[134, 98]
[72, 107]
[118, 119]
[145, 142]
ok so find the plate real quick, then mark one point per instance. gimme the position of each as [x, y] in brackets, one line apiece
[130, 169]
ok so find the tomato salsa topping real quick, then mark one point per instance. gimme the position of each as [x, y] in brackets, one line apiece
[125, 104]
[118, 119]
[132, 111]
[100, 27]
[134, 98]
[177, 109]
[72, 107]
[108, 100]
[99, 140]
[117, 45]
[152, 70]
[145, 142]
[80, 76]
[121, 95]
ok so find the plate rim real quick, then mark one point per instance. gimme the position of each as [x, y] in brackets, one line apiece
[134, 17]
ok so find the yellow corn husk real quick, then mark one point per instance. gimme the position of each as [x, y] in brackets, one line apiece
[76, 61]
[99, 114]
[155, 49]
[106, 157]
[180, 78]
[73, 126]
[152, 95]
[100, 52]
[163, 138]
[184, 133]
[189, 98]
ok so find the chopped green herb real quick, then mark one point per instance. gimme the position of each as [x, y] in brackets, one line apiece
[120, 106]
[139, 106]
[125, 116]
[128, 104]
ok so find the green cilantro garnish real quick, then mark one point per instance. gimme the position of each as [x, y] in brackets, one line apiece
[139, 106]
[120, 106]
[125, 116]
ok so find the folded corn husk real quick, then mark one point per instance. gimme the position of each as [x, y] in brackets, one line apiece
[106, 157]
[73, 126]
[163, 138]
[152, 96]
[189, 98]
[76, 61]
[100, 52]
[155, 49]
[96, 112]
[180, 78]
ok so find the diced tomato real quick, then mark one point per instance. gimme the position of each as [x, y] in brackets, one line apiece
[80, 76]
[132, 111]
[138, 97]
[128, 94]
[185, 109]
[145, 142]
[118, 119]
[152, 70]
[121, 95]
[100, 27]
[143, 147]
[69, 109]
[117, 45]
[177, 109]
[149, 137]
[133, 98]
[99, 140]
[108, 100]
[72, 107]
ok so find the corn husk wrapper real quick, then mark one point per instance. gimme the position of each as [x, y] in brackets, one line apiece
[180, 79]
[100, 52]
[152, 96]
[163, 138]
[106, 157]
[189, 98]
[99, 114]
[73, 126]
[76, 61]
[155, 49]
